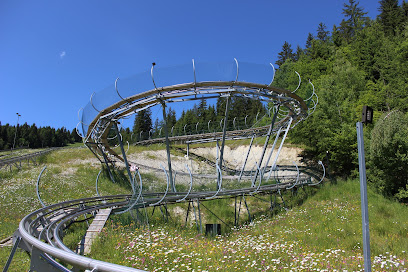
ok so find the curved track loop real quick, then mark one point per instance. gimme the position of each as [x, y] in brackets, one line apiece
[42, 229]
[101, 120]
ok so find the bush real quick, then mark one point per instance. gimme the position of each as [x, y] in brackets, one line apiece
[389, 155]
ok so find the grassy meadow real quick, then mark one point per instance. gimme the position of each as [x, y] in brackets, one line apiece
[316, 229]
[322, 234]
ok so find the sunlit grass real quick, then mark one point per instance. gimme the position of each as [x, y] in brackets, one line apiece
[320, 230]
[324, 233]
[69, 175]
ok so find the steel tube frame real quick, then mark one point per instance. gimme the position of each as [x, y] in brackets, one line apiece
[223, 136]
[268, 136]
[11, 256]
[167, 189]
[72, 258]
[115, 125]
[272, 149]
[246, 158]
[107, 164]
[138, 196]
[38, 185]
[191, 185]
[172, 185]
[280, 148]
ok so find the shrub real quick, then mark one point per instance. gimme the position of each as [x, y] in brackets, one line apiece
[389, 155]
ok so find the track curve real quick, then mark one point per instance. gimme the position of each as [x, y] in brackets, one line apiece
[41, 230]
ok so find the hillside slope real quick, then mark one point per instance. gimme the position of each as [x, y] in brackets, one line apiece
[322, 233]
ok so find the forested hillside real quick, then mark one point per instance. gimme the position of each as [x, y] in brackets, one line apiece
[362, 61]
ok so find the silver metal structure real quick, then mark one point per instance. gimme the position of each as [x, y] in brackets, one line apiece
[42, 230]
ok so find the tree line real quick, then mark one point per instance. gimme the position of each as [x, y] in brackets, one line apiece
[361, 61]
[35, 137]
[200, 118]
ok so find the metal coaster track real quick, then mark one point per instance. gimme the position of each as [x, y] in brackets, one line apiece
[16, 161]
[42, 230]
[40, 233]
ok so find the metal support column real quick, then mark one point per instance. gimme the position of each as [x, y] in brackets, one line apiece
[107, 165]
[86, 144]
[246, 158]
[188, 150]
[273, 148]
[13, 251]
[268, 136]
[195, 216]
[166, 133]
[188, 212]
[363, 192]
[115, 125]
[280, 148]
[246, 205]
[239, 211]
[223, 138]
[199, 215]
[235, 211]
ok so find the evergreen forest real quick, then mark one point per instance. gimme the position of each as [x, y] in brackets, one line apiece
[35, 137]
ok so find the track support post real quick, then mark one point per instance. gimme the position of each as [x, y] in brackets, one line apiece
[268, 136]
[115, 125]
[166, 133]
[224, 130]
[13, 251]
[199, 215]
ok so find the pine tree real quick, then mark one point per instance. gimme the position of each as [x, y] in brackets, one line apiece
[322, 33]
[285, 54]
[220, 107]
[355, 20]
[202, 110]
[142, 124]
[309, 42]
[404, 8]
[171, 118]
[336, 36]
[299, 53]
[391, 16]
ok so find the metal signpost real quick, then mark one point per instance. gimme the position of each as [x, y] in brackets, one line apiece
[367, 118]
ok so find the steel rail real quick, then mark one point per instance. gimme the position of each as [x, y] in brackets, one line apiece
[52, 219]
[26, 156]
[69, 257]
[165, 93]
[38, 187]
[48, 223]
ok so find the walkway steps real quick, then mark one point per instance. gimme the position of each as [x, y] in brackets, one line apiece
[94, 229]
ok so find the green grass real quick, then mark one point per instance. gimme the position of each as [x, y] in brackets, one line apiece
[320, 230]
[322, 233]
[7, 154]
[69, 172]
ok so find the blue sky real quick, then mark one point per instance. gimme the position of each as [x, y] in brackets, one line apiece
[55, 54]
